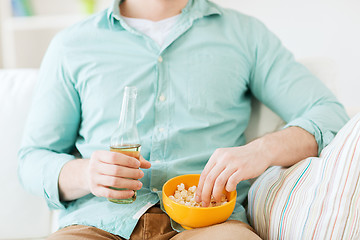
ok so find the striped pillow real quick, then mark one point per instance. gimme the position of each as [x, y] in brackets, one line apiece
[318, 198]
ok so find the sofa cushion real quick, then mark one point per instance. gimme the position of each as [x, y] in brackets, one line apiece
[318, 198]
[22, 215]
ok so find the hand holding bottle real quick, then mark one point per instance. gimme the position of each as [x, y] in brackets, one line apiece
[112, 174]
[108, 171]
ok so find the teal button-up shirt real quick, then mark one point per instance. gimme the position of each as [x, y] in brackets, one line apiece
[194, 96]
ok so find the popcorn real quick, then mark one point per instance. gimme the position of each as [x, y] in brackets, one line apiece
[177, 195]
[181, 187]
[187, 197]
[184, 193]
[192, 189]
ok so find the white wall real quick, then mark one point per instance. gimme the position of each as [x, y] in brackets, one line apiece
[329, 28]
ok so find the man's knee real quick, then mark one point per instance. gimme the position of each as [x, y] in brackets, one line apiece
[228, 230]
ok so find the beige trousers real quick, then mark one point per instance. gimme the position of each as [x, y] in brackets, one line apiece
[155, 225]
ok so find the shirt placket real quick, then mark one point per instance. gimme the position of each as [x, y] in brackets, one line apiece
[161, 126]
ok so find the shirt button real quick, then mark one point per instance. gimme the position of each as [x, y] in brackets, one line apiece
[162, 98]
[154, 189]
[160, 59]
[161, 129]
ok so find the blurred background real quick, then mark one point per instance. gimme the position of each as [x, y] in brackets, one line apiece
[321, 28]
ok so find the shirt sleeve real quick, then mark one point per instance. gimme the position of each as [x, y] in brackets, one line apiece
[51, 129]
[291, 91]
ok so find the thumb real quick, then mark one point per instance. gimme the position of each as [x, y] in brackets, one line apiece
[144, 163]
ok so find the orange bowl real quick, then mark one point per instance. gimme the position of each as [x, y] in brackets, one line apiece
[195, 217]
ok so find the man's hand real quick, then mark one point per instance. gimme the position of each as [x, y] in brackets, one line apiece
[97, 175]
[226, 168]
[108, 170]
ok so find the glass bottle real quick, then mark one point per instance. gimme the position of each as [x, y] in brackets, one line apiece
[125, 139]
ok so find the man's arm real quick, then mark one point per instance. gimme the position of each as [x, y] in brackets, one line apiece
[228, 166]
[46, 166]
[312, 113]
[52, 126]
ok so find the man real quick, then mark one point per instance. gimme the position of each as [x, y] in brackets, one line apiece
[196, 66]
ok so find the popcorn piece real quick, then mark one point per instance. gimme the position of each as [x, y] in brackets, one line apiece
[181, 187]
[192, 189]
[177, 195]
[184, 193]
[189, 197]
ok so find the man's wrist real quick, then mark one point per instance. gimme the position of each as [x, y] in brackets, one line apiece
[286, 147]
[263, 149]
[84, 174]
[73, 180]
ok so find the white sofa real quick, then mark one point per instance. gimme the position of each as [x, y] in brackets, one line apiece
[24, 216]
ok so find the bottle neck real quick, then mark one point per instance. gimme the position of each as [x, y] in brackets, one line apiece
[126, 133]
[128, 114]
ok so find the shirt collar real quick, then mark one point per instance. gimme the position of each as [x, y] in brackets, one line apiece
[195, 9]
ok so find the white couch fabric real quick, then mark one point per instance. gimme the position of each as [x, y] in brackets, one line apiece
[22, 215]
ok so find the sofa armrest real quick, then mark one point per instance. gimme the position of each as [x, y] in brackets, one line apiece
[23, 216]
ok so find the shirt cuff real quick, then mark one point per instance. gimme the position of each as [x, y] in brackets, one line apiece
[322, 136]
[50, 174]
